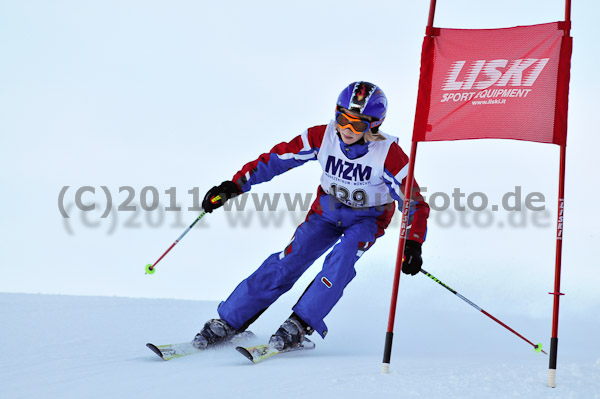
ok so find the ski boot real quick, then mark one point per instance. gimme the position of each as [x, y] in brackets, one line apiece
[291, 334]
[214, 332]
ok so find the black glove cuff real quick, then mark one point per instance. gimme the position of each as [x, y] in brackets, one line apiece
[413, 245]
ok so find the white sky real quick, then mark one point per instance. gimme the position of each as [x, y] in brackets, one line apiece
[183, 93]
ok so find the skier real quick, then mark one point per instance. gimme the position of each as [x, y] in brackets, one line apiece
[364, 171]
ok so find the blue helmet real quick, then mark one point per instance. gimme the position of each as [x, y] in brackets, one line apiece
[365, 98]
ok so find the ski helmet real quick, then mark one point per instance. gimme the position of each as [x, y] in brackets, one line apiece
[364, 97]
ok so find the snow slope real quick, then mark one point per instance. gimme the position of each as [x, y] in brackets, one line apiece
[93, 347]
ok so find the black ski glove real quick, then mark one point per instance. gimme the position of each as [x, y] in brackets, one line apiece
[412, 261]
[216, 196]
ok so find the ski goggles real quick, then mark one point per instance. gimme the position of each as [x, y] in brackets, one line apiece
[357, 125]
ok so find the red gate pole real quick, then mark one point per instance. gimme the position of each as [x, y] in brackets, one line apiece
[431, 14]
[389, 335]
[558, 264]
[559, 236]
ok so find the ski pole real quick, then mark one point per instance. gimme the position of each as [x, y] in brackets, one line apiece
[537, 348]
[150, 267]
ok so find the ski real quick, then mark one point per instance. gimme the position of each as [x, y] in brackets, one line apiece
[261, 352]
[171, 351]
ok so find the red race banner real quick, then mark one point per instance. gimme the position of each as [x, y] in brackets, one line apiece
[507, 83]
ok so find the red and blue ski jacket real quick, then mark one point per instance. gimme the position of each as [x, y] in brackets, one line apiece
[305, 147]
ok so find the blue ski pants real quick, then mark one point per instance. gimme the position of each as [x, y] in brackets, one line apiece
[355, 229]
